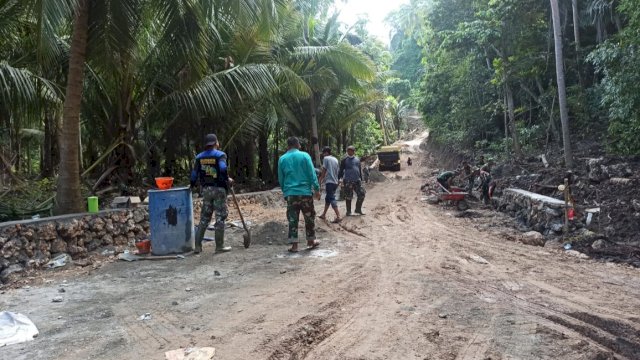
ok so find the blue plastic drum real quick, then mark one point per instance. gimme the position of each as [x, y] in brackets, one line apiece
[171, 221]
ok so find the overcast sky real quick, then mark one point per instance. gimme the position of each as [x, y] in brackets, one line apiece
[376, 10]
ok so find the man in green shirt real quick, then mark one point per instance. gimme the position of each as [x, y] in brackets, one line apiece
[299, 184]
[446, 178]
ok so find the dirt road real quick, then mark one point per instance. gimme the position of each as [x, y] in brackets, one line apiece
[406, 281]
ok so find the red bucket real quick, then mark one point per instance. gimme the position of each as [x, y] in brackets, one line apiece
[164, 183]
[144, 246]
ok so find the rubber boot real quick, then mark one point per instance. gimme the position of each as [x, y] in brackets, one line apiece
[359, 206]
[198, 244]
[348, 202]
[220, 242]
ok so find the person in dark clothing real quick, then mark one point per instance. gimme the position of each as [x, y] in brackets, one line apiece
[486, 182]
[470, 175]
[409, 162]
[210, 172]
[351, 175]
[446, 178]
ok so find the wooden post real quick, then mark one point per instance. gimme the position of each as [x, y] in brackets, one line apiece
[566, 206]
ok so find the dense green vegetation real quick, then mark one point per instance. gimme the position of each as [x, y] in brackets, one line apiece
[105, 95]
[487, 76]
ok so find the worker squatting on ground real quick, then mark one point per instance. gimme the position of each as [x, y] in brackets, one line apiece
[351, 175]
[299, 184]
[210, 171]
[329, 177]
[446, 178]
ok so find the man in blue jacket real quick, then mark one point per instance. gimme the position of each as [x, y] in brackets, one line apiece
[299, 184]
[210, 171]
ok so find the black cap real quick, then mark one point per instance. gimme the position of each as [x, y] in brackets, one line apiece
[210, 140]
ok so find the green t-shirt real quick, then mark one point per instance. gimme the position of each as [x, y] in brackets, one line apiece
[445, 176]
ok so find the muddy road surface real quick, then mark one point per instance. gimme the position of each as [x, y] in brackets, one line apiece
[406, 281]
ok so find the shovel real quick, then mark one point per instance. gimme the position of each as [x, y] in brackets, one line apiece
[247, 235]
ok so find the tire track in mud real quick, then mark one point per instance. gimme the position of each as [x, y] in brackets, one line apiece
[309, 331]
[603, 334]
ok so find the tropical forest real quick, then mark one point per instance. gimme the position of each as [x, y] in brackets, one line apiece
[101, 97]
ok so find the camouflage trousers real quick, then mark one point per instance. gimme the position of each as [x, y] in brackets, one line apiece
[354, 186]
[214, 199]
[304, 204]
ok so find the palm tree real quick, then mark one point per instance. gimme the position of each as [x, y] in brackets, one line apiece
[398, 112]
[68, 197]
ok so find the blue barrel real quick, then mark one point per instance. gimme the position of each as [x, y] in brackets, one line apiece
[171, 221]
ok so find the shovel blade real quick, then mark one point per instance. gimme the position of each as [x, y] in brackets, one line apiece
[247, 239]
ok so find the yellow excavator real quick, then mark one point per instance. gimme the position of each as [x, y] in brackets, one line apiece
[389, 158]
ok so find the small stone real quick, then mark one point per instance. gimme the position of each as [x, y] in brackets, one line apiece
[62, 290]
[188, 289]
[599, 244]
[12, 269]
[443, 315]
[174, 303]
[57, 299]
[59, 317]
[283, 271]
[216, 273]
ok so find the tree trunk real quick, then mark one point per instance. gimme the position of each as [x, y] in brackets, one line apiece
[576, 37]
[69, 197]
[380, 119]
[47, 148]
[276, 150]
[249, 159]
[512, 120]
[562, 94]
[314, 129]
[263, 154]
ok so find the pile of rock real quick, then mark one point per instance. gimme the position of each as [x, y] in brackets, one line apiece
[599, 171]
[540, 213]
[267, 199]
[32, 243]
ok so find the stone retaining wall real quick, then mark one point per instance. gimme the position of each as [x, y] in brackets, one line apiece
[30, 244]
[541, 213]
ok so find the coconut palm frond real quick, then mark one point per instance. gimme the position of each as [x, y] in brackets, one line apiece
[17, 86]
[213, 94]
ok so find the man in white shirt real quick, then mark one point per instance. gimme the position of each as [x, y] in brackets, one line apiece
[329, 177]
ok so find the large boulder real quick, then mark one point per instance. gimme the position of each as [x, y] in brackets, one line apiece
[532, 238]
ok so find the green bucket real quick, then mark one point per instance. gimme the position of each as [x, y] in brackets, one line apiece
[92, 202]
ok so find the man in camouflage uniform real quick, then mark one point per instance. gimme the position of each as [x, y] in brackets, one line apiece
[210, 171]
[486, 182]
[351, 175]
[299, 184]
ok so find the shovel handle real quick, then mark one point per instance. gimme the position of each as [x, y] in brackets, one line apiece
[235, 201]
